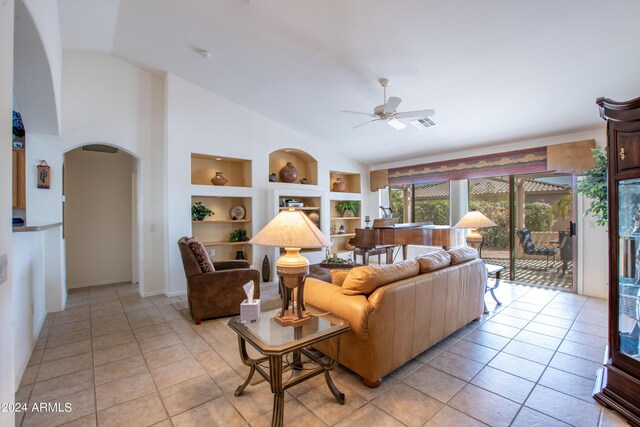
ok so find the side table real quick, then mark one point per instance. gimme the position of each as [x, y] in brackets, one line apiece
[493, 270]
[274, 342]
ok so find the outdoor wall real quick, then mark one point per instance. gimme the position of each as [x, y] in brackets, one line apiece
[7, 376]
[110, 101]
[199, 121]
[592, 270]
[98, 216]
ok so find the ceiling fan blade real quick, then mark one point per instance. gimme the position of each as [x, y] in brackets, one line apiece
[365, 123]
[396, 124]
[417, 113]
[392, 104]
[356, 112]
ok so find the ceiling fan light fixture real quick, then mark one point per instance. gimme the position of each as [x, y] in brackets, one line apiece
[396, 124]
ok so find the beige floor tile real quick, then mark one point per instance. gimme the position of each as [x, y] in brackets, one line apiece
[151, 331]
[540, 340]
[517, 366]
[587, 339]
[511, 321]
[295, 413]
[146, 320]
[487, 339]
[473, 351]
[69, 327]
[124, 389]
[189, 394]
[218, 412]
[499, 329]
[528, 351]
[113, 339]
[66, 350]
[435, 383]
[227, 379]
[563, 407]
[354, 383]
[68, 337]
[544, 329]
[108, 319]
[575, 365]
[120, 369]
[64, 366]
[520, 314]
[87, 421]
[71, 319]
[36, 358]
[405, 370]
[159, 341]
[106, 312]
[528, 417]
[82, 404]
[429, 354]
[369, 415]
[62, 385]
[29, 376]
[177, 372]
[321, 402]
[256, 400]
[553, 321]
[408, 405]
[485, 406]
[116, 352]
[110, 329]
[449, 417]
[503, 384]
[573, 385]
[143, 411]
[456, 365]
[611, 419]
[167, 355]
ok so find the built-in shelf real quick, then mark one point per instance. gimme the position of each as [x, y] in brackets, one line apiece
[344, 217]
[205, 166]
[223, 221]
[343, 235]
[352, 181]
[304, 163]
[225, 243]
[304, 208]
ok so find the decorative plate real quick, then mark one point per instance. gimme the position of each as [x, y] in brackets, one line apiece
[237, 212]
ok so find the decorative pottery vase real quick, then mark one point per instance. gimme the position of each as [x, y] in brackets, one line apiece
[219, 179]
[339, 186]
[288, 173]
[272, 177]
[239, 254]
[341, 230]
[304, 181]
[348, 213]
[315, 218]
[266, 269]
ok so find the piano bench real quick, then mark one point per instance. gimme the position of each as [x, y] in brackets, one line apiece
[382, 250]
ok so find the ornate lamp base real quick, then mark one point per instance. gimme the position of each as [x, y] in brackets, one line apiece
[290, 318]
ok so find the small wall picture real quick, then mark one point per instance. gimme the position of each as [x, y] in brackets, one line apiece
[44, 175]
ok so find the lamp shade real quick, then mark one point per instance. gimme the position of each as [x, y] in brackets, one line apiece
[291, 229]
[475, 220]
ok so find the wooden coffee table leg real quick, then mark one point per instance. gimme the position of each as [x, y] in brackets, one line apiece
[275, 371]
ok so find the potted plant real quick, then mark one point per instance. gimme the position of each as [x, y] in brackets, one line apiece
[348, 207]
[594, 186]
[199, 212]
[238, 235]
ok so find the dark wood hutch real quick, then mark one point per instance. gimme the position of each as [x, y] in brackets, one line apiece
[618, 383]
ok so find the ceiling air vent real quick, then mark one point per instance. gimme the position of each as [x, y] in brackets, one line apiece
[423, 123]
[100, 148]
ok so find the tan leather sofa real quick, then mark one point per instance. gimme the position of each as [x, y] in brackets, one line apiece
[404, 315]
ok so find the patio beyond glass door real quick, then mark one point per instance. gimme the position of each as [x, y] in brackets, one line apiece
[543, 220]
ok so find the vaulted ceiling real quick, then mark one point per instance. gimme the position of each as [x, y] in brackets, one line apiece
[495, 71]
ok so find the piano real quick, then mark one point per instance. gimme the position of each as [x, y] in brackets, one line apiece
[386, 237]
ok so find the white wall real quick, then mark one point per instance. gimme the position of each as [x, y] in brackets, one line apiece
[44, 206]
[202, 122]
[107, 100]
[593, 261]
[98, 210]
[6, 289]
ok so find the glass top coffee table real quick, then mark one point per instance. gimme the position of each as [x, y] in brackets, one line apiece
[274, 342]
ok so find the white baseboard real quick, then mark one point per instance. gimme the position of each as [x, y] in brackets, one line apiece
[176, 294]
[153, 293]
[102, 282]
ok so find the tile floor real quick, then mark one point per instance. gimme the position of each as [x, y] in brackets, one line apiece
[124, 360]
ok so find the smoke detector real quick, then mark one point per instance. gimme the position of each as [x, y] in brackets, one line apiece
[206, 55]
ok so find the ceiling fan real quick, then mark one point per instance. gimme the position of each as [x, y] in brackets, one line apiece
[387, 112]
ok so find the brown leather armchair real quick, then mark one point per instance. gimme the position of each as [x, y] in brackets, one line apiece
[217, 293]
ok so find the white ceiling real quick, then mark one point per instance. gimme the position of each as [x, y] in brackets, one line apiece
[494, 71]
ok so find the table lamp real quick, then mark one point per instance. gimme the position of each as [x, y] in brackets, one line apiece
[474, 220]
[292, 230]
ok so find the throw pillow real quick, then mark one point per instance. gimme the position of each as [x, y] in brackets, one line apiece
[460, 255]
[366, 279]
[338, 276]
[433, 261]
[201, 255]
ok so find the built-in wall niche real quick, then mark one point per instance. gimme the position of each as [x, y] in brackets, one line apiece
[304, 163]
[342, 228]
[214, 231]
[351, 181]
[204, 167]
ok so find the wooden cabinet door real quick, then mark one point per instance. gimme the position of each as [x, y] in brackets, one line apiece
[19, 179]
[15, 178]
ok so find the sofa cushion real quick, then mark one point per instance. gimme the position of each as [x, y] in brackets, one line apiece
[338, 276]
[201, 255]
[366, 279]
[433, 261]
[460, 255]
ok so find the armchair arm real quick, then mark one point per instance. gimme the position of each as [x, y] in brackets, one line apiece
[234, 278]
[229, 265]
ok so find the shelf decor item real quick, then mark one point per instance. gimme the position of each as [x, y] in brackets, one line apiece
[288, 173]
[266, 269]
[304, 181]
[199, 212]
[292, 230]
[272, 177]
[341, 230]
[219, 179]
[348, 208]
[237, 212]
[238, 235]
[44, 177]
[339, 186]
